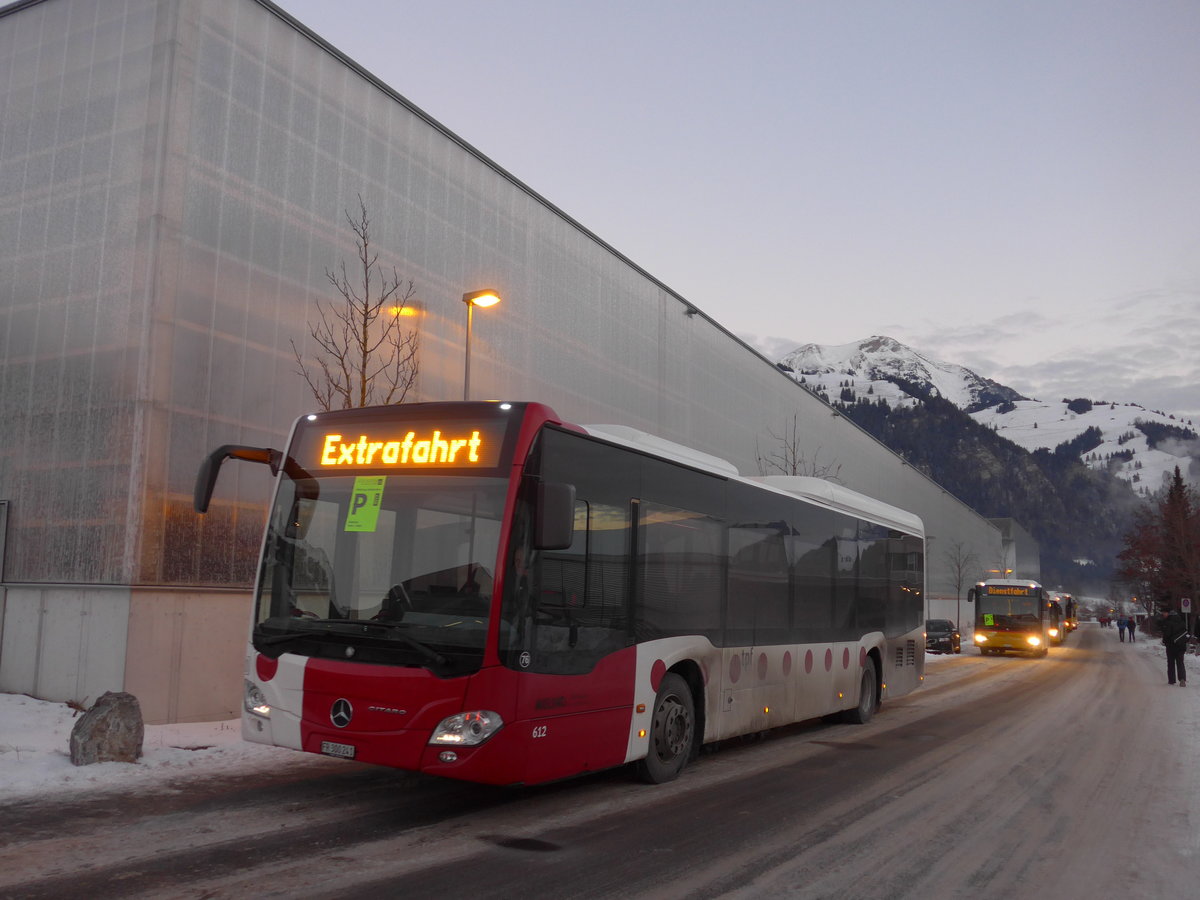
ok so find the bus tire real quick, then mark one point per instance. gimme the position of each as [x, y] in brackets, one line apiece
[672, 732]
[868, 697]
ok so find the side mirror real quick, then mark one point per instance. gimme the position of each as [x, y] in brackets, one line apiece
[555, 516]
[971, 595]
[206, 478]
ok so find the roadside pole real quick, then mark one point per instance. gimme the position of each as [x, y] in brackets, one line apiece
[1185, 607]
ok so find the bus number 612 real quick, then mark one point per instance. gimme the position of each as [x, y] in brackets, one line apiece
[539, 731]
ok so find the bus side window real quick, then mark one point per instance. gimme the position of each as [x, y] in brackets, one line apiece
[580, 610]
[680, 572]
[759, 599]
[813, 567]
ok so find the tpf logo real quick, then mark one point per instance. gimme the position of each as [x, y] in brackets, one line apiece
[341, 712]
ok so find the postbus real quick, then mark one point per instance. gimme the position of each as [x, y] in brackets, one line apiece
[1070, 613]
[482, 591]
[1014, 615]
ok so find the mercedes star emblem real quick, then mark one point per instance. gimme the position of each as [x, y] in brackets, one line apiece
[341, 713]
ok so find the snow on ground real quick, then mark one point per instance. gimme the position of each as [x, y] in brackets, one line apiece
[35, 753]
[35, 740]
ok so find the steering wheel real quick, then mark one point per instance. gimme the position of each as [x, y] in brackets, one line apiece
[399, 598]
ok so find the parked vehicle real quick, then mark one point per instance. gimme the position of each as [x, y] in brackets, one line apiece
[481, 591]
[942, 637]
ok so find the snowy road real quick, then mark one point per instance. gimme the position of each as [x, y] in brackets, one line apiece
[1073, 776]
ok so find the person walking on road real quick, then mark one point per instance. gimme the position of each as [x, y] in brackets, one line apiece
[1131, 626]
[1121, 623]
[1174, 638]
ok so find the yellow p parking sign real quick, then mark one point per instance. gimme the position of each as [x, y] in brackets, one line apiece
[365, 500]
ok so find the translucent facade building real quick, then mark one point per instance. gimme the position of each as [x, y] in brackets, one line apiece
[174, 178]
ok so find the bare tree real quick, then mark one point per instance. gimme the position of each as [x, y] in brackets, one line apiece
[789, 459]
[963, 565]
[364, 356]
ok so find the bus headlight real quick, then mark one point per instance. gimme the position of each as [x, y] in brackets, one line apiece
[467, 729]
[980, 638]
[254, 701]
[1034, 641]
[1053, 632]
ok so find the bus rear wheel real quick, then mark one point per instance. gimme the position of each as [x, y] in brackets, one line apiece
[868, 697]
[672, 732]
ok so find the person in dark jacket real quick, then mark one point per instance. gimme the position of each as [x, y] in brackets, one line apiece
[1174, 638]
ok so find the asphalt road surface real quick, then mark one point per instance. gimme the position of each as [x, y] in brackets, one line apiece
[1069, 777]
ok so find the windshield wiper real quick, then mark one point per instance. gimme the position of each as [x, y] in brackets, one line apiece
[271, 639]
[351, 628]
[394, 633]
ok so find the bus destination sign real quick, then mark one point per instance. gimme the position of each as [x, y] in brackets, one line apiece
[353, 444]
[1008, 590]
[468, 448]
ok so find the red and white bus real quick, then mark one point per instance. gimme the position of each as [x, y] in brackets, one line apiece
[482, 591]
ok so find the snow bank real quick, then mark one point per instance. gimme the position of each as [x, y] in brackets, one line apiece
[35, 756]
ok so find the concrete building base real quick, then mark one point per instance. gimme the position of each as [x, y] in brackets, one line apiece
[179, 652]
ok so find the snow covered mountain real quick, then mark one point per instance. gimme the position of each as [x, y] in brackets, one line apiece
[879, 362]
[1138, 445]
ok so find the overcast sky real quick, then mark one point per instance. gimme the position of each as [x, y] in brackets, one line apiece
[1012, 185]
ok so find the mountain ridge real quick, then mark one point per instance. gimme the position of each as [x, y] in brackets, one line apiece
[1140, 446]
[881, 358]
[1068, 471]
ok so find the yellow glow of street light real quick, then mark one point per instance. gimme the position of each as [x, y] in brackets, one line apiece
[483, 298]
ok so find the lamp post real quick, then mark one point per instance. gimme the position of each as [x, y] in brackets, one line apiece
[473, 299]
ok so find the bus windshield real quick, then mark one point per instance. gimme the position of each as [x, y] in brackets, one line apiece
[1008, 609]
[380, 568]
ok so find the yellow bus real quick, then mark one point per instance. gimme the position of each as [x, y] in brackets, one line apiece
[1014, 616]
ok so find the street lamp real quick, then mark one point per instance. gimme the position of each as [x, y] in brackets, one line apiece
[482, 298]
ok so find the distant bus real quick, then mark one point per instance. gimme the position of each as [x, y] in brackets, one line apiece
[482, 591]
[1014, 615]
[1070, 613]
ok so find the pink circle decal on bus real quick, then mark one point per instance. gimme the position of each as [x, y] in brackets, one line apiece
[846, 658]
[829, 660]
[735, 667]
[787, 663]
[862, 657]
[762, 667]
[265, 667]
[657, 671]
[808, 661]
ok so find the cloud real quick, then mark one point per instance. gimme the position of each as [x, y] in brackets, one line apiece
[773, 348]
[1139, 348]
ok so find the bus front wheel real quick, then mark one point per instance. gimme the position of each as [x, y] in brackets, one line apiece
[672, 731]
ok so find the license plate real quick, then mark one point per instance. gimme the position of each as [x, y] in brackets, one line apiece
[345, 751]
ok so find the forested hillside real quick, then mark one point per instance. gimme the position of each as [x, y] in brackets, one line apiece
[1075, 513]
